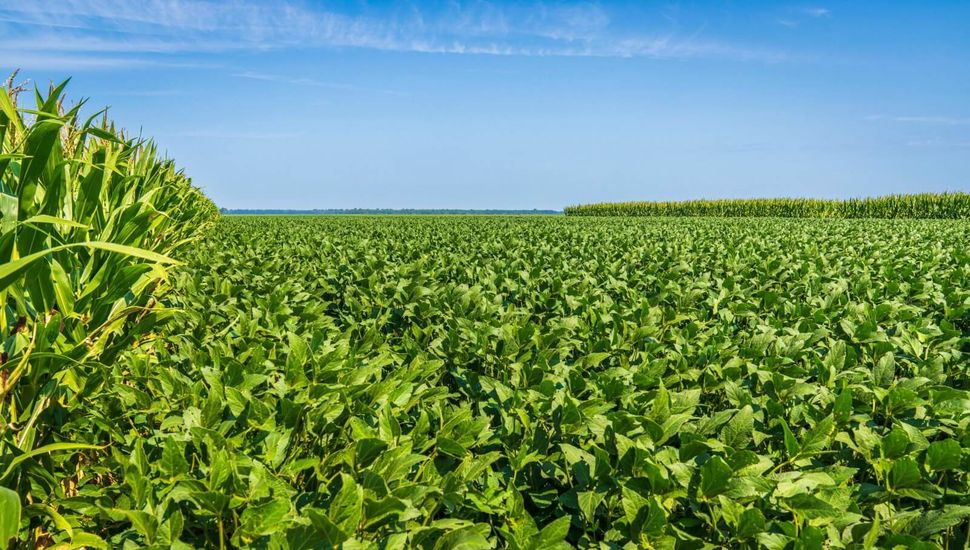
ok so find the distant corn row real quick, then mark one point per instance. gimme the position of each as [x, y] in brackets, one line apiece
[89, 220]
[923, 206]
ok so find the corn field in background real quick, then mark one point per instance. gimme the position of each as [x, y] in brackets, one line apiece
[89, 222]
[918, 206]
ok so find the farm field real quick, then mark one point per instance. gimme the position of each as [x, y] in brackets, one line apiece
[488, 274]
[534, 382]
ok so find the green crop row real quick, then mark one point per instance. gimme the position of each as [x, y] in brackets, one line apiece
[89, 220]
[918, 206]
[526, 383]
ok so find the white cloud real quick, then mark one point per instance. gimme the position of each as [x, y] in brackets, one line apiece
[118, 28]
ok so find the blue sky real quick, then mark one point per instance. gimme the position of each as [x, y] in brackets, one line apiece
[520, 105]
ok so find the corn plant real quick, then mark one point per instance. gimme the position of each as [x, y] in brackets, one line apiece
[89, 221]
[917, 206]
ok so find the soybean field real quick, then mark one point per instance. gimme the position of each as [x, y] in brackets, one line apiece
[540, 382]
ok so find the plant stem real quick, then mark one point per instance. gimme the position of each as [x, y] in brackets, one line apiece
[222, 535]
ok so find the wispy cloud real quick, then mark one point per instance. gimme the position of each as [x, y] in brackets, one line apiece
[794, 17]
[303, 81]
[56, 61]
[108, 30]
[933, 120]
[816, 12]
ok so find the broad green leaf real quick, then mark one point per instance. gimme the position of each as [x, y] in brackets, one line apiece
[265, 518]
[390, 508]
[750, 523]
[715, 475]
[885, 370]
[930, 522]
[173, 463]
[554, 533]
[819, 437]
[905, 473]
[944, 455]
[807, 506]
[588, 502]
[368, 450]
[791, 443]
[346, 507]
[9, 515]
[144, 523]
[895, 443]
[472, 537]
[737, 432]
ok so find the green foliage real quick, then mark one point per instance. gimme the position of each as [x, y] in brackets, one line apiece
[483, 382]
[9, 515]
[89, 220]
[918, 206]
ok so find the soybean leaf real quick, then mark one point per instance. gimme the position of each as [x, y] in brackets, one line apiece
[715, 475]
